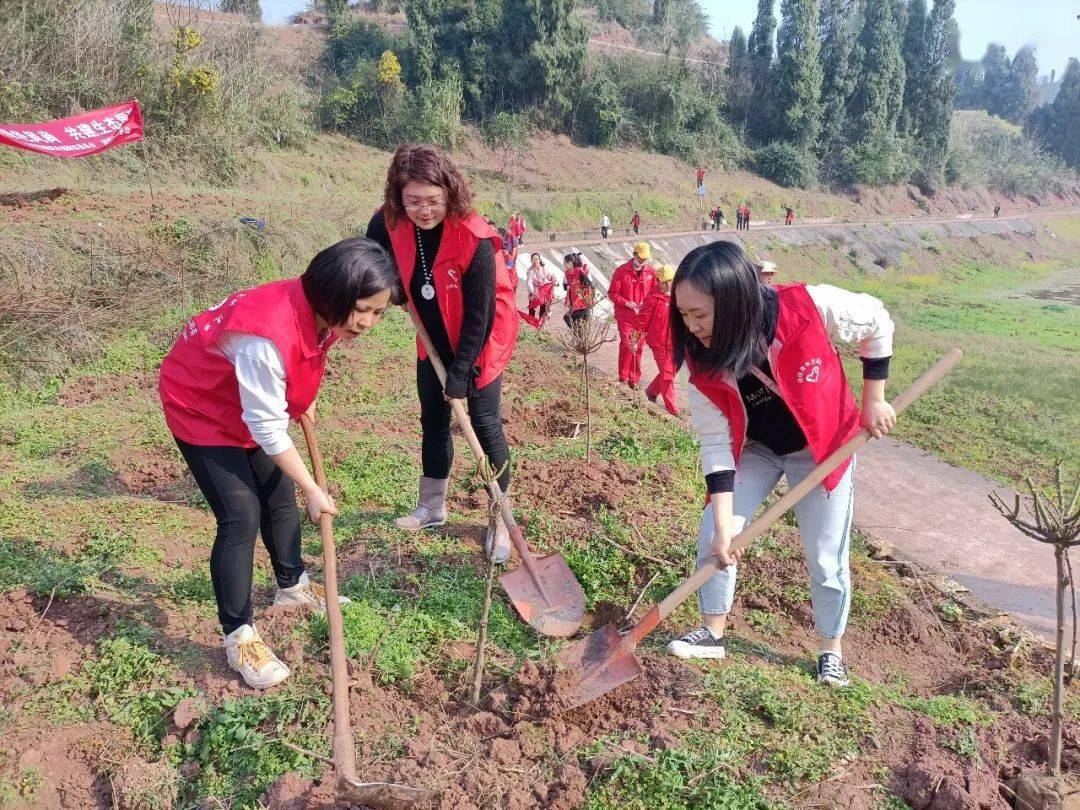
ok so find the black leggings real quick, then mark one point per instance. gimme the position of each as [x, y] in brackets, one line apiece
[437, 450]
[248, 494]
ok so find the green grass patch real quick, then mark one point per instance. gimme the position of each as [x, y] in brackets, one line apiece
[238, 751]
[703, 771]
[785, 719]
[371, 475]
[405, 622]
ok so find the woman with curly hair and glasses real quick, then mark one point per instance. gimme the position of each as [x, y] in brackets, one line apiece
[455, 276]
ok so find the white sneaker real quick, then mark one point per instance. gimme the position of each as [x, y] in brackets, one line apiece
[698, 643]
[306, 592]
[255, 662]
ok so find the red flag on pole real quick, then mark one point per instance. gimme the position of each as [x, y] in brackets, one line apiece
[80, 135]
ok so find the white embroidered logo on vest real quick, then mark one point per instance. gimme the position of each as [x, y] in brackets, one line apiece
[810, 371]
[451, 279]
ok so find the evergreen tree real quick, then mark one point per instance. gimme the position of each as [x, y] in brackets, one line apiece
[914, 52]
[797, 75]
[760, 48]
[1054, 126]
[837, 36]
[249, 8]
[543, 47]
[1021, 94]
[996, 71]
[879, 89]
[740, 85]
[933, 119]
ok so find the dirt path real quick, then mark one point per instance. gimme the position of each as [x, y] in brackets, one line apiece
[916, 502]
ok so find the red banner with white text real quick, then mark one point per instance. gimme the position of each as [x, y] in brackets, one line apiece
[80, 135]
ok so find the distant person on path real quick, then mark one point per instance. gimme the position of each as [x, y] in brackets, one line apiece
[769, 399]
[635, 222]
[521, 228]
[580, 293]
[654, 324]
[746, 217]
[718, 218]
[790, 215]
[510, 252]
[739, 218]
[700, 176]
[540, 286]
[997, 210]
[229, 386]
[605, 226]
[452, 267]
[630, 285]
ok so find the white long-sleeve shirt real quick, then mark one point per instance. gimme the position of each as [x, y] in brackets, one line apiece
[848, 317]
[260, 371]
[535, 278]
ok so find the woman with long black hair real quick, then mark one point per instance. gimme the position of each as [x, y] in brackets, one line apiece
[768, 399]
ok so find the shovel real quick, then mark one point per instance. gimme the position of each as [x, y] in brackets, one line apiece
[544, 590]
[605, 659]
[349, 787]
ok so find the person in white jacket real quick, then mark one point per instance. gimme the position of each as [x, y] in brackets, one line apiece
[540, 285]
[768, 399]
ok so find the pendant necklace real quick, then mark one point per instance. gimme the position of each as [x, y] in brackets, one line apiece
[428, 290]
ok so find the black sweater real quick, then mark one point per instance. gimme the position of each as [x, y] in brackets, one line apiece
[478, 303]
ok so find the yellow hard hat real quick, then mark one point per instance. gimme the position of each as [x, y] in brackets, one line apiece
[642, 250]
[665, 272]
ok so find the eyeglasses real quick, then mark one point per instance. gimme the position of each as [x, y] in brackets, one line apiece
[430, 206]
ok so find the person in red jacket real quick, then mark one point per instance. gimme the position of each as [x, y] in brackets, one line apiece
[789, 214]
[630, 285]
[455, 277]
[580, 293]
[635, 222]
[229, 386]
[654, 324]
[769, 400]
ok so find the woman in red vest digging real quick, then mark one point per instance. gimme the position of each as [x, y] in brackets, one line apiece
[451, 263]
[769, 399]
[654, 324]
[236, 375]
[540, 285]
[580, 294]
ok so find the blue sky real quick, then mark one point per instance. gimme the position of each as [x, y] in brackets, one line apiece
[1050, 25]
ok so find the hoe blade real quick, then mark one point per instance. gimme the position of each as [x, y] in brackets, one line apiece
[549, 597]
[381, 795]
[603, 660]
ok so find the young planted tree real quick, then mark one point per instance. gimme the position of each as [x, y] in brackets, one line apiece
[584, 338]
[1054, 520]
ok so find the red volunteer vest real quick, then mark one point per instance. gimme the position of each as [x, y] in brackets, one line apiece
[579, 296]
[459, 241]
[655, 320]
[197, 383]
[810, 377]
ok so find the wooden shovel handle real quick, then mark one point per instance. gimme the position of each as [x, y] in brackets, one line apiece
[465, 423]
[344, 747]
[748, 535]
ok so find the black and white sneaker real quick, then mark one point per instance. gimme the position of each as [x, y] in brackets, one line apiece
[831, 670]
[698, 643]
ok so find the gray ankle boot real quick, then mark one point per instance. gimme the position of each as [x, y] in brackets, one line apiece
[497, 541]
[431, 509]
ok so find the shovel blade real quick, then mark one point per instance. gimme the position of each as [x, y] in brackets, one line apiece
[553, 603]
[381, 794]
[603, 660]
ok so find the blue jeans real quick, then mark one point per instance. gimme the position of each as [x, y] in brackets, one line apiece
[824, 522]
